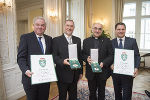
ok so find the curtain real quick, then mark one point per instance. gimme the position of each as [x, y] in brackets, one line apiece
[119, 4]
[55, 27]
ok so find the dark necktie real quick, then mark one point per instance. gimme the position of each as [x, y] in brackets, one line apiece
[41, 45]
[120, 44]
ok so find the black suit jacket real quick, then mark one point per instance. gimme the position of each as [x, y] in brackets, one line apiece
[130, 44]
[29, 46]
[105, 56]
[60, 52]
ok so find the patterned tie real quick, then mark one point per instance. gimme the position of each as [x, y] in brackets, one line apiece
[69, 40]
[120, 44]
[41, 45]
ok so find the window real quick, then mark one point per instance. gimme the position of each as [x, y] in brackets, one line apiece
[136, 16]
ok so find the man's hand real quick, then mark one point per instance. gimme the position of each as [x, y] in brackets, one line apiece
[66, 62]
[112, 66]
[135, 72]
[28, 73]
[101, 64]
[89, 60]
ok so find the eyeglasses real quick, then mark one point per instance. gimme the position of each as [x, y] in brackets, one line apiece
[95, 28]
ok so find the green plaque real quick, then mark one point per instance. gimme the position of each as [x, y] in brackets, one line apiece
[74, 64]
[96, 67]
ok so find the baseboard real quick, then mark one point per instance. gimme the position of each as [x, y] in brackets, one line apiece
[16, 95]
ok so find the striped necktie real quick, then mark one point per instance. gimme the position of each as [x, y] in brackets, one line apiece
[120, 44]
[41, 45]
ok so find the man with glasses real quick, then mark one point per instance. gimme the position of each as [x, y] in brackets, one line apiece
[34, 43]
[67, 77]
[97, 81]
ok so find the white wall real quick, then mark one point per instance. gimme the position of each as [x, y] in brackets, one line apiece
[12, 77]
[8, 44]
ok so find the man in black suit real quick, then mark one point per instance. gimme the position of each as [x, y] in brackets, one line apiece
[30, 45]
[105, 59]
[67, 78]
[123, 83]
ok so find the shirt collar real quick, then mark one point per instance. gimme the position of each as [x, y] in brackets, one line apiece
[67, 36]
[39, 36]
[123, 39]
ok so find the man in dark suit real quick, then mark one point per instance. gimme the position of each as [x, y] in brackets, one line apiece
[123, 83]
[67, 78]
[34, 43]
[105, 59]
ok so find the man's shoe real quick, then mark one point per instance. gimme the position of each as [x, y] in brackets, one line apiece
[147, 93]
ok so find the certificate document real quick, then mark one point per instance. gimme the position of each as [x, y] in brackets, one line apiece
[43, 69]
[73, 59]
[94, 64]
[124, 62]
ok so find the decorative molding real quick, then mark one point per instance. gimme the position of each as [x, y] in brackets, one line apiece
[6, 67]
[13, 82]
[23, 4]
[16, 95]
[22, 14]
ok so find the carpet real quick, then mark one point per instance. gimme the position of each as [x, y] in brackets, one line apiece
[83, 93]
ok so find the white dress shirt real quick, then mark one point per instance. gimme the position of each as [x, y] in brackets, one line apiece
[123, 40]
[69, 38]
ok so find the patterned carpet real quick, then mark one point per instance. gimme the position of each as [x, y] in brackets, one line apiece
[83, 93]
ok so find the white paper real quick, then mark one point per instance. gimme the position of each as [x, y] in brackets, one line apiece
[94, 55]
[124, 62]
[43, 69]
[72, 48]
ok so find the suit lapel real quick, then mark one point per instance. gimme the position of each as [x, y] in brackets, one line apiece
[34, 38]
[64, 45]
[74, 41]
[101, 40]
[37, 45]
[126, 43]
[64, 40]
[115, 43]
[46, 43]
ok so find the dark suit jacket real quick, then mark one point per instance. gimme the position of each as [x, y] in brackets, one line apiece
[130, 44]
[105, 56]
[60, 52]
[29, 46]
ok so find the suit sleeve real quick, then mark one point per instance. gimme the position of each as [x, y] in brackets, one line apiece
[80, 56]
[23, 54]
[84, 51]
[136, 54]
[57, 59]
[110, 54]
[50, 44]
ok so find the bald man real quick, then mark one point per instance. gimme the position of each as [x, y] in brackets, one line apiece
[105, 59]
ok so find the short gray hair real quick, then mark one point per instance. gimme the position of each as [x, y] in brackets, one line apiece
[38, 17]
[70, 21]
[95, 24]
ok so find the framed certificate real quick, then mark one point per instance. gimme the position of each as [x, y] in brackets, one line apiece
[124, 62]
[43, 69]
